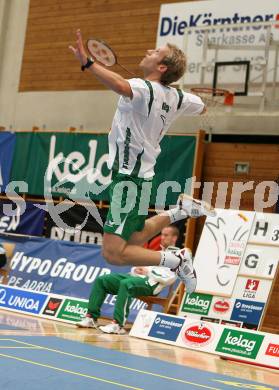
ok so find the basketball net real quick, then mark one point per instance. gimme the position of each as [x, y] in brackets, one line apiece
[215, 101]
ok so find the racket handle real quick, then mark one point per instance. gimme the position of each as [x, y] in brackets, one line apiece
[127, 70]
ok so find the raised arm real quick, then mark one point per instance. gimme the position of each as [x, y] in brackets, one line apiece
[192, 104]
[110, 79]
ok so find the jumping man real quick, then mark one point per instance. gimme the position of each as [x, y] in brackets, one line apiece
[146, 109]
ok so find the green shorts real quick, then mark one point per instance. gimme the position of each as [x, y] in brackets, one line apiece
[129, 202]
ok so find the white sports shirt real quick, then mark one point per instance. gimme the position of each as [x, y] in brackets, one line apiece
[157, 274]
[140, 123]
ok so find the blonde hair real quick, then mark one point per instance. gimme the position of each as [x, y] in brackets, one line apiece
[176, 65]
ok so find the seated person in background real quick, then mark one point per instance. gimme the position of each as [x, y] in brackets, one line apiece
[167, 239]
[141, 281]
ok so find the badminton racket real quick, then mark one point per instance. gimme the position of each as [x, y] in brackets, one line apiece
[103, 53]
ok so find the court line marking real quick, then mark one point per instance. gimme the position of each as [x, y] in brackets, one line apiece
[71, 372]
[244, 385]
[114, 365]
[9, 347]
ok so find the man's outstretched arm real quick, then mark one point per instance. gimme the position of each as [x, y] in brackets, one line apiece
[110, 79]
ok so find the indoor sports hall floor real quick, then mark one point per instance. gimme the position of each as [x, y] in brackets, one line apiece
[45, 354]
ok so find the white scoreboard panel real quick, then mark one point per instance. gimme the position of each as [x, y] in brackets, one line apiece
[236, 263]
[259, 261]
[265, 229]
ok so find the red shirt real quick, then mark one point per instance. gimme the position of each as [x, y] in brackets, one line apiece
[154, 244]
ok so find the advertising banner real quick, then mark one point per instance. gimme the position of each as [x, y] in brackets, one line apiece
[75, 165]
[61, 164]
[207, 307]
[21, 300]
[220, 251]
[166, 328]
[52, 306]
[252, 289]
[200, 335]
[21, 218]
[61, 268]
[214, 308]
[197, 303]
[221, 308]
[175, 18]
[73, 310]
[58, 267]
[7, 146]
[269, 351]
[82, 226]
[247, 311]
[224, 340]
[240, 343]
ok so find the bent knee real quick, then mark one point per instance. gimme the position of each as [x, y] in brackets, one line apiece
[125, 283]
[113, 256]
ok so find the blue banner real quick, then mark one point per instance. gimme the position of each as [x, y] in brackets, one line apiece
[7, 145]
[23, 218]
[22, 300]
[166, 328]
[61, 267]
[249, 312]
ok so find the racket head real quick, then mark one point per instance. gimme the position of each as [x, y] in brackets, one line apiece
[101, 51]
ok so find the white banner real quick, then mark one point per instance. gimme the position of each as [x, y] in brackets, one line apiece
[221, 308]
[251, 346]
[176, 17]
[219, 254]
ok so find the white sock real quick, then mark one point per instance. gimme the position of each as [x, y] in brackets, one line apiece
[176, 214]
[169, 259]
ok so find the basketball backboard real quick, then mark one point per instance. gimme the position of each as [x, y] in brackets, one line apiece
[238, 43]
[242, 58]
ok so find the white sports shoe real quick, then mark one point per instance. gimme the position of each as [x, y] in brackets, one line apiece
[87, 322]
[185, 271]
[112, 328]
[194, 207]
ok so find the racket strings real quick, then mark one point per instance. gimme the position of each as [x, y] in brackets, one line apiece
[104, 54]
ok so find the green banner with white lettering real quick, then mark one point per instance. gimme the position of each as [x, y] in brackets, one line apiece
[75, 166]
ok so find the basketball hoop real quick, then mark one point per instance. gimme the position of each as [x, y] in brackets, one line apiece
[210, 95]
[214, 99]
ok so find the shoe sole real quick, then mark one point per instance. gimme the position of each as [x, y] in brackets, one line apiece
[208, 208]
[120, 333]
